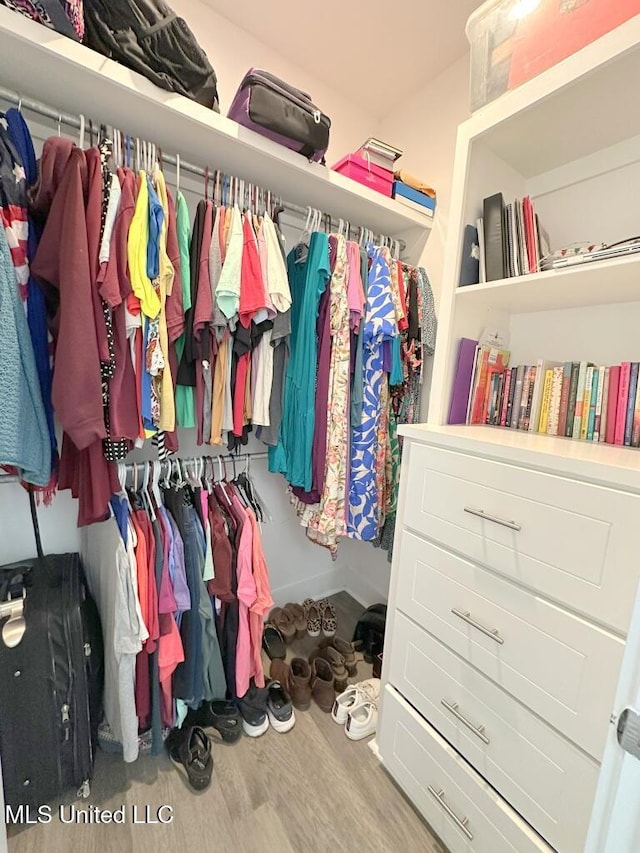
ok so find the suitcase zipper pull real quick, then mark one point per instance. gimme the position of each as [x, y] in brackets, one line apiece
[66, 721]
[317, 115]
[87, 650]
[84, 791]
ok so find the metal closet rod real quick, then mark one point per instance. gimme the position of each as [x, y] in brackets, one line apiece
[74, 121]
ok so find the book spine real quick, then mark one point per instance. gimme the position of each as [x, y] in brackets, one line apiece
[500, 398]
[527, 411]
[635, 431]
[631, 405]
[612, 403]
[623, 399]
[593, 402]
[605, 405]
[554, 408]
[491, 397]
[536, 397]
[546, 401]
[586, 402]
[526, 388]
[515, 413]
[480, 385]
[564, 398]
[505, 397]
[512, 394]
[573, 393]
[577, 418]
[602, 377]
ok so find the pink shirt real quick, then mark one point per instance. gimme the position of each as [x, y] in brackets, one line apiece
[263, 602]
[355, 290]
[246, 597]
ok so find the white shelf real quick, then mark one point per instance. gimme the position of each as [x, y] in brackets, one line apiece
[39, 63]
[576, 108]
[599, 283]
[609, 464]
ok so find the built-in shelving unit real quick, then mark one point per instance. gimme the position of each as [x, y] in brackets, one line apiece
[39, 63]
[569, 138]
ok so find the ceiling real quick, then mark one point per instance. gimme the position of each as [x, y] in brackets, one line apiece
[386, 49]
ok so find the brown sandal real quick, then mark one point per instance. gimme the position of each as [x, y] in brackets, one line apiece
[299, 619]
[283, 621]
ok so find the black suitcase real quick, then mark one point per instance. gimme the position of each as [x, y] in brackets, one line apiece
[51, 671]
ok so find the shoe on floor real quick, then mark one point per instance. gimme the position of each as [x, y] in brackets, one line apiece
[329, 619]
[190, 750]
[253, 707]
[347, 651]
[273, 642]
[300, 684]
[338, 666]
[279, 708]
[283, 621]
[354, 695]
[299, 619]
[221, 715]
[314, 619]
[362, 721]
[322, 688]
[280, 671]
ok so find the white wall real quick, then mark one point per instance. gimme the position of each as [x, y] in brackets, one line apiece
[233, 51]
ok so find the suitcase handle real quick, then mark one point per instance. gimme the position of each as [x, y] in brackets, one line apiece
[34, 521]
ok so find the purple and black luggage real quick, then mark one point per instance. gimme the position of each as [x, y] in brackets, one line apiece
[281, 112]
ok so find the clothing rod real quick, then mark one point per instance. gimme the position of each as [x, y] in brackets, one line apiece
[9, 478]
[238, 457]
[74, 121]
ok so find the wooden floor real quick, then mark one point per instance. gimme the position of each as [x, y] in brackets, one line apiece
[308, 791]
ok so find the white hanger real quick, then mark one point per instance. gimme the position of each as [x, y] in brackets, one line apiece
[81, 134]
[156, 468]
[177, 174]
[146, 498]
[59, 124]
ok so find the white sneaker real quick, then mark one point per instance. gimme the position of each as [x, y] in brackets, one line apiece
[362, 721]
[353, 696]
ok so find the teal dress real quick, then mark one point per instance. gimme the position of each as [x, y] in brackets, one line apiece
[307, 280]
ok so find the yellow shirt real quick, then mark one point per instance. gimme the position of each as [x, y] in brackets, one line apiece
[137, 240]
[166, 278]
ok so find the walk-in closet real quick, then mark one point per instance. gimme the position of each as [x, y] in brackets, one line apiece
[319, 426]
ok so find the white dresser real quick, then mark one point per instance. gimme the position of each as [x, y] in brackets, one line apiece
[511, 593]
[517, 555]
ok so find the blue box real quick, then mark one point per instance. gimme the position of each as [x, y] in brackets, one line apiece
[404, 190]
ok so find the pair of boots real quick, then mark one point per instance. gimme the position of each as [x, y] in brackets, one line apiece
[304, 682]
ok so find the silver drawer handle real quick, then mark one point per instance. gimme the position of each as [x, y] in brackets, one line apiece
[477, 730]
[489, 632]
[487, 517]
[463, 823]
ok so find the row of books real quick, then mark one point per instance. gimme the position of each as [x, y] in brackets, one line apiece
[582, 400]
[508, 240]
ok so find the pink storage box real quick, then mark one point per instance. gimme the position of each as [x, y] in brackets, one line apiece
[360, 170]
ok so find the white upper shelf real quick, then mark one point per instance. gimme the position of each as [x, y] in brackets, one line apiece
[580, 106]
[595, 283]
[50, 68]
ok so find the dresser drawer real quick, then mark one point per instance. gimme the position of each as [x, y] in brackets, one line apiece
[550, 782]
[560, 666]
[461, 807]
[571, 541]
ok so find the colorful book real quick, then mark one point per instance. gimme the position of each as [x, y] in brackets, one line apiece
[612, 403]
[573, 394]
[554, 406]
[526, 392]
[631, 404]
[605, 405]
[577, 418]
[593, 402]
[541, 370]
[517, 397]
[483, 268]
[635, 431]
[623, 399]
[462, 381]
[488, 357]
[492, 395]
[527, 412]
[602, 378]
[512, 393]
[586, 402]
[564, 397]
[546, 401]
[504, 410]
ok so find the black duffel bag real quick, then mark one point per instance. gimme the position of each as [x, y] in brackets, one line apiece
[148, 37]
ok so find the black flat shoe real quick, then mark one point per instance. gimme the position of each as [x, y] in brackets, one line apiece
[221, 715]
[273, 643]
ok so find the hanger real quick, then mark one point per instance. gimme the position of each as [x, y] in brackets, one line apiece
[206, 183]
[146, 497]
[81, 134]
[222, 481]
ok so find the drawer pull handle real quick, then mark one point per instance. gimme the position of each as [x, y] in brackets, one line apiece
[463, 823]
[493, 633]
[487, 517]
[452, 707]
